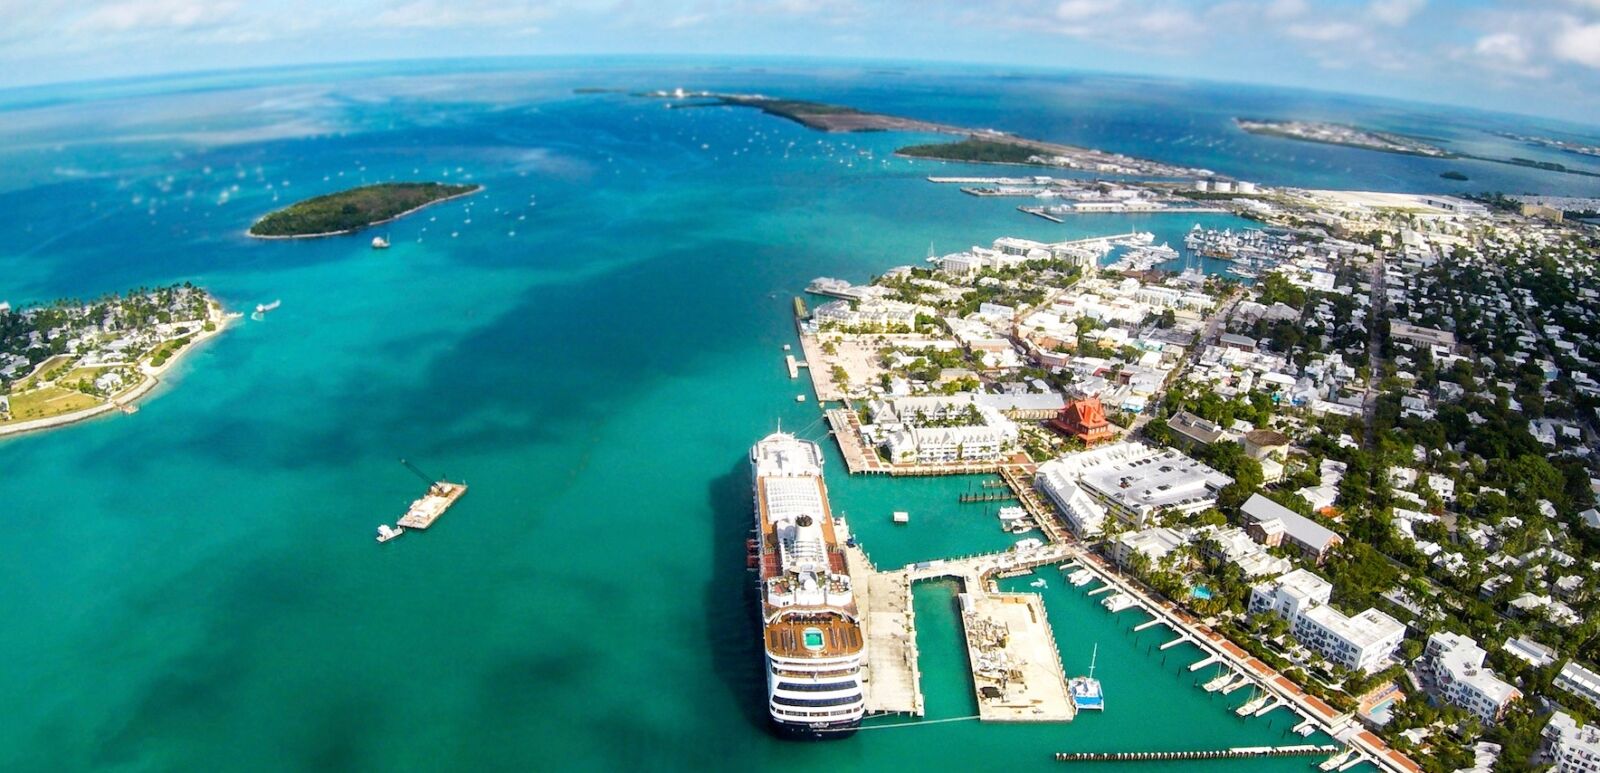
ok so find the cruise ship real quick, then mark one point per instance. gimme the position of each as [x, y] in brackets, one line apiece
[809, 625]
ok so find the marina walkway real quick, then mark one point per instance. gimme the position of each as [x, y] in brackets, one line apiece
[1218, 649]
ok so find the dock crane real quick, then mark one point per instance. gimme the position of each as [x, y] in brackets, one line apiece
[419, 473]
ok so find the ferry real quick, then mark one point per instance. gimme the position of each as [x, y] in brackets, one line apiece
[810, 626]
[1085, 690]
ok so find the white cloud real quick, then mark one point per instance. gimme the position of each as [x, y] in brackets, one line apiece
[1279, 10]
[436, 14]
[1395, 13]
[1326, 32]
[1507, 52]
[1580, 44]
[1085, 10]
[137, 15]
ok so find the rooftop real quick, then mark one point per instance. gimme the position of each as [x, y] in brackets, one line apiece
[1300, 528]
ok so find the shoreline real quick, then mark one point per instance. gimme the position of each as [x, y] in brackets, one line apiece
[1092, 174]
[358, 229]
[131, 396]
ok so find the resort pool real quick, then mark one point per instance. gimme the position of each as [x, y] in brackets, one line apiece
[1201, 592]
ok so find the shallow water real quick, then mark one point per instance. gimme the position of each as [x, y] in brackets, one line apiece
[195, 586]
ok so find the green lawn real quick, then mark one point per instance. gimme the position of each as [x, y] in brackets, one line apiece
[47, 402]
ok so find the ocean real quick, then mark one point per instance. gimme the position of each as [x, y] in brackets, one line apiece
[592, 343]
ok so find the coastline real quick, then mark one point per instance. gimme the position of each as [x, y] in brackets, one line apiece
[358, 229]
[1445, 154]
[127, 398]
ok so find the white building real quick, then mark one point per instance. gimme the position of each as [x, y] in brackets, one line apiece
[1364, 642]
[1463, 681]
[1155, 544]
[1579, 681]
[1131, 481]
[1234, 545]
[1573, 748]
[938, 445]
[976, 432]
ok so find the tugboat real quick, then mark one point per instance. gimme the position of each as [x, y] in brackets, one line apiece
[1086, 689]
[387, 532]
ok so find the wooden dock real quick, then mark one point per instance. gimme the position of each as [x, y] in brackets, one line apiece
[1238, 753]
[423, 512]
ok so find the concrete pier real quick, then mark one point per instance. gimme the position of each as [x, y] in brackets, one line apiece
[1175, 642]
[1016, 667]
[888, 623]
[1147, 625]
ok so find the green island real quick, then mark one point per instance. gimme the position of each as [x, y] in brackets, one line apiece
[67, 361]
[354, 209]
[1453, 175]
[975, 150]
[793, 109]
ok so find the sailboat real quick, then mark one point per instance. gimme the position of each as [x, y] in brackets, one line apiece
[1086, 689]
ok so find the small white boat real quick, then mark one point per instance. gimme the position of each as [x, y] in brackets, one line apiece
[380, 243]
[1039, 583]
[1117, 602]
[1336, 760]
[901, 516]
[1028, 544]
[387, 532]
[263, 308]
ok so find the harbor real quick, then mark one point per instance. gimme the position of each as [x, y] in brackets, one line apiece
[1233, 673]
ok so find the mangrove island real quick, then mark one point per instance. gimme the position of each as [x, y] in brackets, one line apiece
[354, 209]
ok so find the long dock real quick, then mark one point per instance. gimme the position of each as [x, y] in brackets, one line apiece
[888, 623]
[1237, 753]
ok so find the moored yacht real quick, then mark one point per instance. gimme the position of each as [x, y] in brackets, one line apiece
[809, 622]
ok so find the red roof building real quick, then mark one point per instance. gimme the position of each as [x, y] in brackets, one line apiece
[1085, 420]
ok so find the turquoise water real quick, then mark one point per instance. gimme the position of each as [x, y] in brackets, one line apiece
[196, 586]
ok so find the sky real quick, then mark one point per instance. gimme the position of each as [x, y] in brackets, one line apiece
[1538, 57]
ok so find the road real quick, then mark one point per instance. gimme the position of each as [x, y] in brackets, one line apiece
[1369, 407]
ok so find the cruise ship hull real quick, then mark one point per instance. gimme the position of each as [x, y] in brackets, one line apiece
[814, 731]
[809, 626]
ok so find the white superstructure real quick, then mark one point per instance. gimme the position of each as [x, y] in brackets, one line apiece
[813, 642]
[1362, 642]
